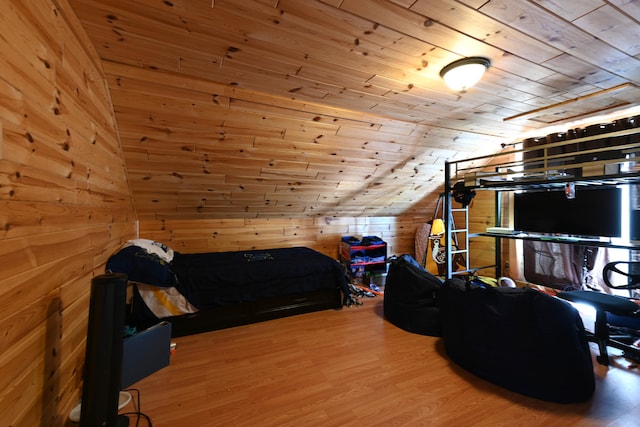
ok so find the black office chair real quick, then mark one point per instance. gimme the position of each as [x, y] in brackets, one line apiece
[607, 306]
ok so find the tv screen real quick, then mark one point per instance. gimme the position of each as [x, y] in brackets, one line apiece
[634, 215]
[593, 212]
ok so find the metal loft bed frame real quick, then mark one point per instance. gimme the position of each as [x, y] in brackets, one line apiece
[602, 159]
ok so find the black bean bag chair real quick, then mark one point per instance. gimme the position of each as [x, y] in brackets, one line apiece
[410, 294]
[521, 339]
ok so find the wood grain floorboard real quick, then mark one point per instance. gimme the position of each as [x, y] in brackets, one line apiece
[351, 367]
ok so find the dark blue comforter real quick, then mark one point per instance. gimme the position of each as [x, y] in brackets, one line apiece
[221, 278]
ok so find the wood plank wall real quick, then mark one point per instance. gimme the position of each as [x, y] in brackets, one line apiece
[322, 234]
[65, 204]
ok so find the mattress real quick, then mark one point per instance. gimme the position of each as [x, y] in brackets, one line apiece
[213, 290]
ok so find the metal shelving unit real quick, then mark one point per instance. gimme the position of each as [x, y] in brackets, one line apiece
[607, 159]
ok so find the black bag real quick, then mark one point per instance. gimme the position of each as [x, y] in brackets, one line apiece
[410, 294]
[518, 338]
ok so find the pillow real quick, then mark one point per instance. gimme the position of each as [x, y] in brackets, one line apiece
[158, 248]
[142, 266]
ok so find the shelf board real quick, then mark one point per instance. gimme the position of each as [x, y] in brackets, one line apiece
[564, 240]
[541, 183]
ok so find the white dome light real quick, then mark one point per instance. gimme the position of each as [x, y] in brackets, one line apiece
[460, 75]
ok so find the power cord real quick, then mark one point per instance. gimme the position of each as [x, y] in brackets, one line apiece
[137, 408]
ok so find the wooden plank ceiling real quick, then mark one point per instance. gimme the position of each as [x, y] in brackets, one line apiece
[297, 108]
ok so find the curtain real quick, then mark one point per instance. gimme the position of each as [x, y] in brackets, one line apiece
[557, 265]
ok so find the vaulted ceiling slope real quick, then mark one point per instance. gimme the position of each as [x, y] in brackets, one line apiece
[264, 108]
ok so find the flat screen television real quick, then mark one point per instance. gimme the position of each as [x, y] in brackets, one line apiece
[594, 212]
[634, 215]
[635, 225]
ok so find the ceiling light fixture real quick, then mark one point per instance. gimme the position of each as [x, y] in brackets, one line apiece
[460, 75]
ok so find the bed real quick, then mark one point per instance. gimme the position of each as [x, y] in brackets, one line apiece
[207, 291]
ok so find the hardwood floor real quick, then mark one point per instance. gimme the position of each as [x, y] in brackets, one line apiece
[351, 367]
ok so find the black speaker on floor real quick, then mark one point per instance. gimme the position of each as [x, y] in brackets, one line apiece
[103, 356]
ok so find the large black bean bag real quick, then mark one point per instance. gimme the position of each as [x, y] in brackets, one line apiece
[520, 339]
[410, 297]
